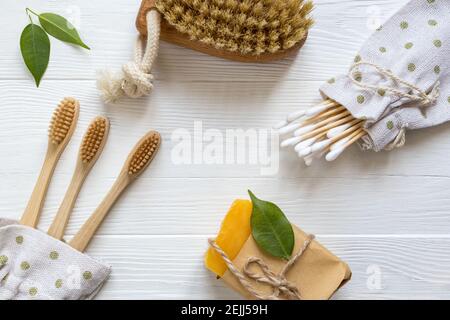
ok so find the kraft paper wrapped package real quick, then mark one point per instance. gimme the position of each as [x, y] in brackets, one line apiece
[400, 77]
[316, 274]
[34, 265]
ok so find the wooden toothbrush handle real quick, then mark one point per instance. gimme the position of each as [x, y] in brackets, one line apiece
[82, 238]
[61, 219]
[32, 212]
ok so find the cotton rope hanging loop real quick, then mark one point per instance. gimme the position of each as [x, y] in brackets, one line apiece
[136, 79]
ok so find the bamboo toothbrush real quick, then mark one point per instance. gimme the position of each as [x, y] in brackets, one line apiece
[61, 129]
[137, 161]
[91, 147]
[327, 127]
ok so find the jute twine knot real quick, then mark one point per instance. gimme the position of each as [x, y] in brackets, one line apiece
[278, 282]
[414, 93]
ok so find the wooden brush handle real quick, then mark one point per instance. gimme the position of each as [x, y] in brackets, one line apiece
[82, 238]
[32, 212]
[59, 224]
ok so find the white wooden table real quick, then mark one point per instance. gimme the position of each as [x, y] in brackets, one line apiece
[386, 214]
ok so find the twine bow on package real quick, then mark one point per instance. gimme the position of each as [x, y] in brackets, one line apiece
[398, 81]
[34, 265]
[312, 272]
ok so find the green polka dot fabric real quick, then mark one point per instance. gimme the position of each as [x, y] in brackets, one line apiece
[414, 46]
[36, 266]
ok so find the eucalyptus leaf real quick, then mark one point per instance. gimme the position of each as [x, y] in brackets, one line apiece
[271, 229]
[35, 48]
[60, 28]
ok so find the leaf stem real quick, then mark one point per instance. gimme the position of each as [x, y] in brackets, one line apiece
[28, 10]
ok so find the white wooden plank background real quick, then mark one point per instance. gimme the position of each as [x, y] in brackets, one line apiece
[386, 214]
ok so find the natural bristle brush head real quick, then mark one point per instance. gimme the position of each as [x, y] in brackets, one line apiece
[94, 139]
[249, 27]
[245, 30]
[143, 153]
[63, 121]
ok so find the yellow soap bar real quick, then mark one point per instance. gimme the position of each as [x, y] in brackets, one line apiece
[233, 233]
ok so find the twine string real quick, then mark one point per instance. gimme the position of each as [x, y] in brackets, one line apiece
[414, 93]
[278, 282]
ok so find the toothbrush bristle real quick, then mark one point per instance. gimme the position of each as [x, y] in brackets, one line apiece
[63, 119]
[93, 139]
[144, 153]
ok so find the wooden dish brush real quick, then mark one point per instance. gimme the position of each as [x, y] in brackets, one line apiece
[242, 30]
[248, 31]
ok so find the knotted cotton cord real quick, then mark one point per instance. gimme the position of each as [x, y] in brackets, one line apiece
[136, 79]
[278, 282]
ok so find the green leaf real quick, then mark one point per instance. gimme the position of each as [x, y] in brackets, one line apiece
[60, 28]
[271, 229]
[35, 48]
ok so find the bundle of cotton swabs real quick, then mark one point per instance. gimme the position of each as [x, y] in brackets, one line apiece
[325, 129]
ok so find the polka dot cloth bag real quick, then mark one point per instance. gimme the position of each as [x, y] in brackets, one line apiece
[400, 77]
[34, 265]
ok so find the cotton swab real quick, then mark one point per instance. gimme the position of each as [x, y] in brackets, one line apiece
[304, 144]
[298, 114]
[290, 142]
[310, 158]
[319, 108]
[336, 138]
[327, 127]
[304, 127]
[340, 143]
[324, 145]
[336, 152]
[338, 130]
[302, 148]
[308, 128]
[289, 128]
[295, 115]
[308, 142]
[321, 145]
[302, 130]
[324, 114]
[280, 124]
[290, 118]
[344, 140]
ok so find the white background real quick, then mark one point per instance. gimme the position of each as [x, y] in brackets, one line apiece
[386, 214]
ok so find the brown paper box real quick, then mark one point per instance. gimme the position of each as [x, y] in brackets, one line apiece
[317, 273]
